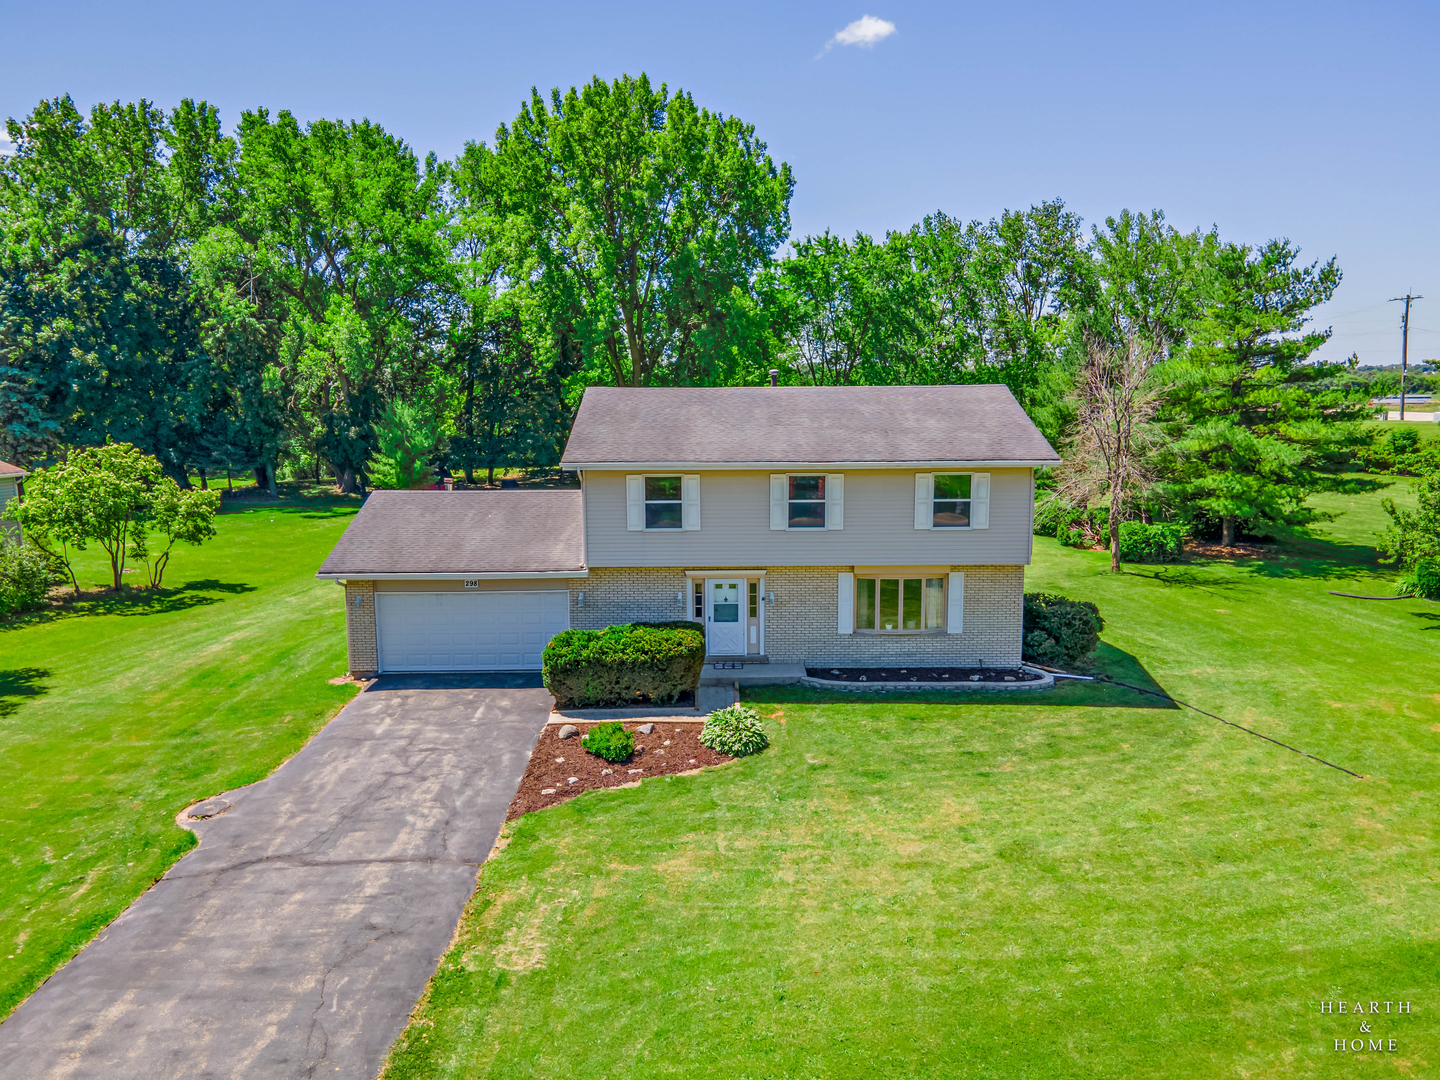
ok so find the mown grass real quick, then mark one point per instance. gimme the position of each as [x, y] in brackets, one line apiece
[1087, 884]
[118, 712]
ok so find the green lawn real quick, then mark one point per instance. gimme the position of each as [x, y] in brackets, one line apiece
[117, 714]
[1088, 884]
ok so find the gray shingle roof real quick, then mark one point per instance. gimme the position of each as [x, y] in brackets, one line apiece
[527, 531]
[761, 426]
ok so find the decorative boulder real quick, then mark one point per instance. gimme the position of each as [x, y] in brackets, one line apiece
[569, 731]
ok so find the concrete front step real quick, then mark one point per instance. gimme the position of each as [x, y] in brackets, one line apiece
[751, 674]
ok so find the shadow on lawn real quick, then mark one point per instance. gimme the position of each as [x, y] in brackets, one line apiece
[1108, 661]
[19, 683]
[1433, 618]
[133, 602]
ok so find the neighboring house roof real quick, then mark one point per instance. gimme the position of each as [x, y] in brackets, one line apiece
[460, 534]
[788, 426]
[6, 469]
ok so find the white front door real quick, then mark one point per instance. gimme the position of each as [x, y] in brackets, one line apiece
[724, 626]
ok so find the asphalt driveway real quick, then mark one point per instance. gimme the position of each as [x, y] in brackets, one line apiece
[295, 939]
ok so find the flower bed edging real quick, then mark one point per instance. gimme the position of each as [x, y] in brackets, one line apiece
[1045, 682]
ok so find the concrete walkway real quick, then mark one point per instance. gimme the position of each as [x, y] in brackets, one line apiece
[295, 939]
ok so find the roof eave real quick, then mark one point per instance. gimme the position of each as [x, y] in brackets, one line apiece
[732, 466]
[473, 575]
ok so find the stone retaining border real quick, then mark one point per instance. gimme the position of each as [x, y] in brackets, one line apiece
[1045, 682]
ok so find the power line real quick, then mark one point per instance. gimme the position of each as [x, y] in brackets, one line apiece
[1404, 345]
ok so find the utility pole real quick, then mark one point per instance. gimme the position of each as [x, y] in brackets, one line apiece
[1404, 345]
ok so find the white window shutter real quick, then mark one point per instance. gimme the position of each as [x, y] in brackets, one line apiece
[779, 515]
[846, 603]
[924, 500]
[835, 501]
[690, 505]
[635, 503]
[980, 500]
[955, 605]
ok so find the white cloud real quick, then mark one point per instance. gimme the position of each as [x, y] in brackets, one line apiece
[866, 31]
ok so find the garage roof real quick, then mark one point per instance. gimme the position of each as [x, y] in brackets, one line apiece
[456, 534]
[763, 426]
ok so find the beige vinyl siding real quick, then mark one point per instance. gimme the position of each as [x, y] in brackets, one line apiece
[879, 526]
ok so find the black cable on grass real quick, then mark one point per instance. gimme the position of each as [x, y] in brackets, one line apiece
[1242, 727]
[1357, 596]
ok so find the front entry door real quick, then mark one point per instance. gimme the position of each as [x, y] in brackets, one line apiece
[724, 625]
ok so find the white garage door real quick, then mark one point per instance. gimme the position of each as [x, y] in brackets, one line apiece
[456, 631]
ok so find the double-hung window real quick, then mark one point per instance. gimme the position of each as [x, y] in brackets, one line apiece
[807, 502]
[663, 503]
[951, 505]
[899, 605]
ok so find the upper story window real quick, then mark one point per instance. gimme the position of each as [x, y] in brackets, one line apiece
[951, 504]
[663, 503]
[807, 502]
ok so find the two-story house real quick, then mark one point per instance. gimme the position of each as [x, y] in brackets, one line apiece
[848, 526]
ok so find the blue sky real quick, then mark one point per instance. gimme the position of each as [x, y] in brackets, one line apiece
[1313, 121]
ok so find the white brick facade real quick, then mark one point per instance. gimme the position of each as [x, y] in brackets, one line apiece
[360, 628]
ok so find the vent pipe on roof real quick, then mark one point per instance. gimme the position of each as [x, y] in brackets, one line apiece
[774, 376]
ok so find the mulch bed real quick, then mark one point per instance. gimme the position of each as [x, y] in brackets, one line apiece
[921, 674]
[670, 748]
[1220, 551]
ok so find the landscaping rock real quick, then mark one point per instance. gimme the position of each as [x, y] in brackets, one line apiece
[606, 772]
[646, 729]
[573, 780]
[547, 791]
[569, 731]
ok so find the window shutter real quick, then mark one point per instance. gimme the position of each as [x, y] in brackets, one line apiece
[924, 500]
[779, 515]
[846, 603]
[980, 500]
[955, 605]
[635, 503]
[690, 505]
[835, 501]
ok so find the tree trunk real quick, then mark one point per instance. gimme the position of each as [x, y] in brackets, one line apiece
[490, 481]
[1227, 532]
[270, 476]
[345, 481]
[204, 481]
[1114, 536]
[469, 474]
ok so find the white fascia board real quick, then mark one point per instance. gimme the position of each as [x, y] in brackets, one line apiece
[534, 575]
[802, 466]
[720, 571]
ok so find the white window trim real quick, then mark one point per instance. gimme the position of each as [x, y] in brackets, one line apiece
[979, 501]
[902, 572]
[838, 505]
[689, 502]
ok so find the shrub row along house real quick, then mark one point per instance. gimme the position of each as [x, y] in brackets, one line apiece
[850, 526]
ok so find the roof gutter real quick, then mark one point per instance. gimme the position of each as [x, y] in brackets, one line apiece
[487, 575]
[819, 466]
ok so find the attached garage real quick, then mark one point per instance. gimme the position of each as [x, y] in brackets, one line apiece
[439, 581]
[462, 631]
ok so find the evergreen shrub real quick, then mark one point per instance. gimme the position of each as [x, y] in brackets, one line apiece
[1058, 631]
[609, 741]
[735, 730]
[627, 664]
[1153, 543]
[1423, 579]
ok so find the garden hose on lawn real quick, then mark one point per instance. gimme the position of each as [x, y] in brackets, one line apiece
[1242, 727]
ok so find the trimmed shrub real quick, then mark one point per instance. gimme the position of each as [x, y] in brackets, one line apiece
[24, 576]
[1156, 543]
[1423, 580]
[609, 741]
[1058, 631]
[620, 665]
[735, 731]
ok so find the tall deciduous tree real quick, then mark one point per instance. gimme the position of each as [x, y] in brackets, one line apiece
[1116, 398]
[344, 222]
[1254, 427]
[637, 217]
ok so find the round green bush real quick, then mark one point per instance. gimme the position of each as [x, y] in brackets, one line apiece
[735, 731]
[609, 741]
[1423, 580]
[1058, 631]
[624, 664]
[24, 576]
[1150, 543]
